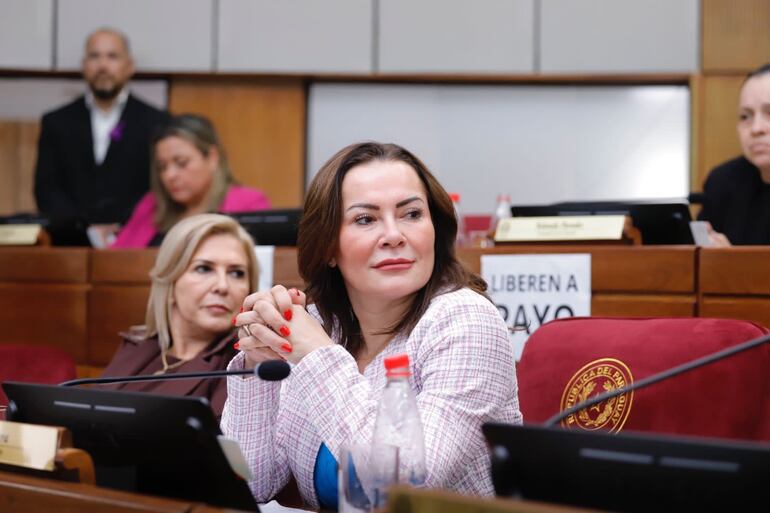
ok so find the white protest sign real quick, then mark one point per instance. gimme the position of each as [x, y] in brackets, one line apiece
[530, 290]
[265, 255]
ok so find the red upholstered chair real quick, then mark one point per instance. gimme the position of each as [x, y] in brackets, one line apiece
[34, 364]
[568, 360]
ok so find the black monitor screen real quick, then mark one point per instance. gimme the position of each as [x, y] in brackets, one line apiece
[659, 223]
[622, 472]
[145, 443]
[271, 227]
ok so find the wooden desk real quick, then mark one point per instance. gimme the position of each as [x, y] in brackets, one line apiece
[735, 283]
[44, 297]
[23, 494]
[120, 286]
[641, 281]
[416, 500]
[79, 299]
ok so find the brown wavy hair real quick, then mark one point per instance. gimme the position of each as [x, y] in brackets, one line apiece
[318, 241]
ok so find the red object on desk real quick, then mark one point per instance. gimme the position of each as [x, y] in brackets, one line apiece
[477, 223]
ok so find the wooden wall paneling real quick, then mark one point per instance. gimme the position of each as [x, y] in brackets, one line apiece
[696, 134]
[644, 269]
[618, 268]
[45, 314]
[44, 265]
[18, 151]
[29, 131]
[112, 309]
[118, 299]
[735, 35]
[122, 266]
[43, 298]
[261, 123]
[9, 164]
[717, 120]
[637, 305]
[756, 309]
[23, 494]
[736, 270]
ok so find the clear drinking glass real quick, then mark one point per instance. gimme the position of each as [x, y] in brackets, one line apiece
[366, 472]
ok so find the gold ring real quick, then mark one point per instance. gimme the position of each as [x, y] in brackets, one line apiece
[246, 328]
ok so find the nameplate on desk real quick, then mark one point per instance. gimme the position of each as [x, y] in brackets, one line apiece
[28, 445]
[19, 234]
[561, 228]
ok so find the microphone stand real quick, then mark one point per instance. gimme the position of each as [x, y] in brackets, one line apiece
[155, 377]
[270, 370]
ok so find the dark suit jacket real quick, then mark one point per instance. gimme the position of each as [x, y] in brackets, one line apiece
[737, 202]
[142, 356]
[68, 183]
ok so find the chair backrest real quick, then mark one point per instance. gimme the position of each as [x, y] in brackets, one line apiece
[34, 364]
[569, 360]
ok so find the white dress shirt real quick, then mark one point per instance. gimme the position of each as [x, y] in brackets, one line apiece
[103, 122]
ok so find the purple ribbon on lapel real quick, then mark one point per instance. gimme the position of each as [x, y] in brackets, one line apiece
[116, 134]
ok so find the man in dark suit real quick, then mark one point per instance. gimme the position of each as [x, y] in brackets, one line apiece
[94, 153]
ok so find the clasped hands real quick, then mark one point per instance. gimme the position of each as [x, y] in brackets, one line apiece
[275, 325]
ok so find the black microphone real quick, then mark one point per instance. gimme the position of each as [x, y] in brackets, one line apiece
[270, 370]
[649, 380]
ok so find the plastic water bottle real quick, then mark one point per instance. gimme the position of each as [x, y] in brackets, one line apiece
[502, 211]
[398, 424]
[460, 240]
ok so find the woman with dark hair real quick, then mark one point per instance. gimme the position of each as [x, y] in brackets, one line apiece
[376, 248]
[737, 192]
[189, 175]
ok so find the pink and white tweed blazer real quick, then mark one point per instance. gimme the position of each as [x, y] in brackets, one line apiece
[463, 374]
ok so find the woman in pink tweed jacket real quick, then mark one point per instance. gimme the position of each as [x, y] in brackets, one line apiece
[376, 248]
[189, 175]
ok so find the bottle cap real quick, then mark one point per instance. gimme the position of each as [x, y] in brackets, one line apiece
[503, 197]
[454, 197]
[396, 363]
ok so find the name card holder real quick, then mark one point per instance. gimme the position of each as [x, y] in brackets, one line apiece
[43, 451]
[613, 229]
[23, 235]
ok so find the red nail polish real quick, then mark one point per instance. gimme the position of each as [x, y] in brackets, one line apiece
[287, 348]
[236, 346]
[234, 320]
[287, 314]
[241, 309]
[285, 331]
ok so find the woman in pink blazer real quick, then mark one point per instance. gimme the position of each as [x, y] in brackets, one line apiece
[189, 175]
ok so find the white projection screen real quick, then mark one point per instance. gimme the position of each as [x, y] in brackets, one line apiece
[540, 144]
